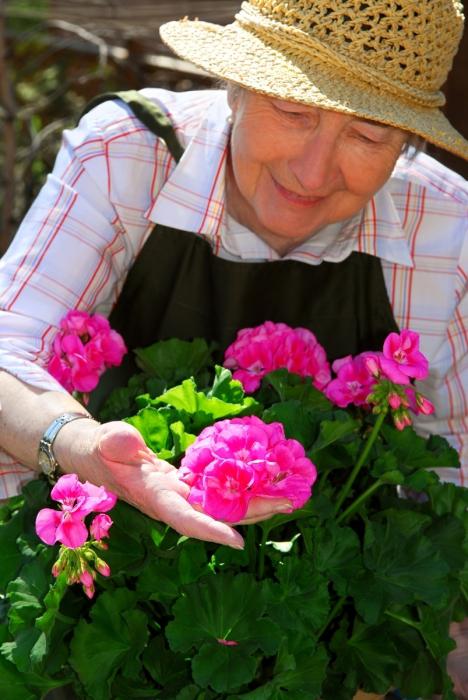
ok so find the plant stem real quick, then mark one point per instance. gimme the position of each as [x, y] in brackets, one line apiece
[355, 505]
[362, 458]
[261, 557]
[336, 609]
[251, 548]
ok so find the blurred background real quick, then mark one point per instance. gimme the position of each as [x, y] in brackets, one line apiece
[55, 55]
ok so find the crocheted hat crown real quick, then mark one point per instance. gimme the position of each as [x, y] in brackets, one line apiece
[383, 60]
[407, 43]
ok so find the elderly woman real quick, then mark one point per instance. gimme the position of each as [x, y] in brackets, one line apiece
[295, 195]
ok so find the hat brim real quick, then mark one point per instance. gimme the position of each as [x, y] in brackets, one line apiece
[236, 54]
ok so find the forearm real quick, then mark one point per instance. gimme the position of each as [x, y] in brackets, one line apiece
[26, 412]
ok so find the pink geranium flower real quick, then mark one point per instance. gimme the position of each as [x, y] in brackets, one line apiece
[76, 500]
[402, 358]
[353, 383]
[235, 460]
[257, 351]
[83, 349]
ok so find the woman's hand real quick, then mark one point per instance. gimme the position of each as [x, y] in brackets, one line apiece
[116, 456]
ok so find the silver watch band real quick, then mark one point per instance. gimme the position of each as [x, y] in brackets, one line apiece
[46, 459]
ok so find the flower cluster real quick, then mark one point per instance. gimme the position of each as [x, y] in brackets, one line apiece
[382, 379]
[235, 460]
[257, 351]
[84, 347]
[77, 557]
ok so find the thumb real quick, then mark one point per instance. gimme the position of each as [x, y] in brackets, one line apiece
[121, 442]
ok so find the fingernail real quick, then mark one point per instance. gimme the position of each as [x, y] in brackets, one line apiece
[238, 546]
[284, 508]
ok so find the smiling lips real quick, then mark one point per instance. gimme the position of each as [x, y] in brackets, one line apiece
[294, 198]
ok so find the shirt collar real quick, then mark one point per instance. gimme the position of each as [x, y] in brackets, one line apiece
[192, 199]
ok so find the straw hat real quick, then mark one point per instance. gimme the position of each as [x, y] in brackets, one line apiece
[383, 60]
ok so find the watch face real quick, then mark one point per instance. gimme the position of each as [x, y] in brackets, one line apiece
[45, 462]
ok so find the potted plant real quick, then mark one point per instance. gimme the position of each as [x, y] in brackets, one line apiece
[351, 592]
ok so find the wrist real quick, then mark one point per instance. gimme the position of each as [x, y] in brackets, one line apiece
[73, 447]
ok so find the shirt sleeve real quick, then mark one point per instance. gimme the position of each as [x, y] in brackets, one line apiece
[76, 243]
[446, 387]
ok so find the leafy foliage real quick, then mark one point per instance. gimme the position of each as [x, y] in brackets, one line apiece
[322, 601]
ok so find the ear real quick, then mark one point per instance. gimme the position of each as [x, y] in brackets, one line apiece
[234, 95]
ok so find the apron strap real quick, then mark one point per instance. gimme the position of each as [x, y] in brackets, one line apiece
[148, 113]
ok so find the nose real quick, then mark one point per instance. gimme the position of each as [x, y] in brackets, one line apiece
[316, 165]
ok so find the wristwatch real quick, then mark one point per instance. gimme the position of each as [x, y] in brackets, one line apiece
[45, 456]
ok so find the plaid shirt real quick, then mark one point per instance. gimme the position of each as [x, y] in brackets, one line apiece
[113, 181]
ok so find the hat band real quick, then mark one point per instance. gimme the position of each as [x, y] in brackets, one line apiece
[275, 33]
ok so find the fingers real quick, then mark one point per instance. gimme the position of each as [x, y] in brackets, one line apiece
[174, 510]
[264, 508]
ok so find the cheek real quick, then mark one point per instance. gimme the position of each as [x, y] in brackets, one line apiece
[364, 176]
[250, 154]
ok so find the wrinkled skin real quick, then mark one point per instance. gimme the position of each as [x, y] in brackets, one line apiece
[294, 169]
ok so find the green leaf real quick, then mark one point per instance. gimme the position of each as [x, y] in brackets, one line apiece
[13, 685]
[174, 360]
[298, 422]
[449, 535]
[19, 651]
[11, 555]
[169, 670]
[300, 600]
[159, 580]
[220, 607]
[342, 426]
[412, 450]
[223, 668]
[305, 677]
[291, 386]
[370, 653]
[296, 677]
[52, 602]
[448, 498]
[130, 536]
[203, 410]
[153, 427]
[180, 438]
[191, 692]
[401, 569]
[113, 640]
[225, 387]
[336, 553]
[193, 562]
[388, 468]
[27, 592]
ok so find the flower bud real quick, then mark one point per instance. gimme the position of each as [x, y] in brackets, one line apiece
[394, 400]
[103, 568]
[86, 579]
[89, 590]
[373, 366]
[424, 405]
[401, 419]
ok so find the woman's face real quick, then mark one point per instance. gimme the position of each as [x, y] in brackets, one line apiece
[294, 169]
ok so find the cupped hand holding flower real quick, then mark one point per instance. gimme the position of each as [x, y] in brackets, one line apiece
[115, 455]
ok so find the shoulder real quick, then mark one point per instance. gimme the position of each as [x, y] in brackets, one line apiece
[186, 111]
[438, 182]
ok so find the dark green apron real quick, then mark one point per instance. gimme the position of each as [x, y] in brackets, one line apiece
[178, 288]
